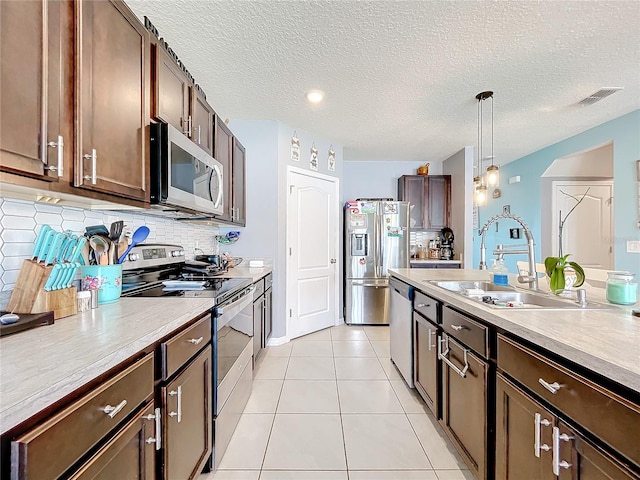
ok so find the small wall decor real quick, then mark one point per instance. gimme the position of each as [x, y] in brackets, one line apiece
[331, 161]
[497, 193]
[313, 161]
[295, 148]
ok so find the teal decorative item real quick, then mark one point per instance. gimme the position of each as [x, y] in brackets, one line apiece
[107, 279]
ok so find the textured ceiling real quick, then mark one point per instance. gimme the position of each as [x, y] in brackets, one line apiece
[400, 77]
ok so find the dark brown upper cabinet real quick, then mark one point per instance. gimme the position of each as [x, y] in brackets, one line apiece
[238, 208]
[430, 198]
[223, 153]
[112, 100]
[36, 88]
[172, 91]
[202, 122]
[179, 103]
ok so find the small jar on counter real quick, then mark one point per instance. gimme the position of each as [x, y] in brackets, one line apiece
[622, 288]
[84, 301]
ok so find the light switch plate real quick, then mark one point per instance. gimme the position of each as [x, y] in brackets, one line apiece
[633, 246]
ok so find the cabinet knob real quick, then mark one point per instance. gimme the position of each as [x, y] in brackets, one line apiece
[333, 260]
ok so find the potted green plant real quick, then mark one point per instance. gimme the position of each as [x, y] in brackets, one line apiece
[556, 267]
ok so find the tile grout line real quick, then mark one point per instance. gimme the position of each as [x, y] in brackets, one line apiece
[266, 447]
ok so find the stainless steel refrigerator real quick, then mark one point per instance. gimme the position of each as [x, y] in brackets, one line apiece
[376, 239]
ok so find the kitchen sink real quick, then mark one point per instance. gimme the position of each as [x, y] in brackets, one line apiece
[463, 287]
[496, 296]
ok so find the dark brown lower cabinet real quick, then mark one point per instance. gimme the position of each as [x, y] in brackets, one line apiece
[187, 420]
[523, 435]
[130, 454]
[533, 443]
[579, 459]
[426, 365]
[464, 403]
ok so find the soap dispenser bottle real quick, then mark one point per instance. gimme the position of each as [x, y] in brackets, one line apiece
[499, 272]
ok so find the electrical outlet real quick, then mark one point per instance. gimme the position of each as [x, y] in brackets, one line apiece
[633, 246]
[506, 209]
[514, 233]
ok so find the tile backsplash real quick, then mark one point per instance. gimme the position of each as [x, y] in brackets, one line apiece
[20, 221]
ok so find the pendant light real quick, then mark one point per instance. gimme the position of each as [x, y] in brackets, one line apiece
[493, 171]
[480, 194]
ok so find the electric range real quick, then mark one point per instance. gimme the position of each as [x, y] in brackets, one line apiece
[160, 270]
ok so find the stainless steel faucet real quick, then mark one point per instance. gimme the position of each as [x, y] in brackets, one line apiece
[532, 278]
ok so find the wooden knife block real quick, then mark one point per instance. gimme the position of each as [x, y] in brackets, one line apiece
[29, 295]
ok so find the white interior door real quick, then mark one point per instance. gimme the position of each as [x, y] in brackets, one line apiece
[313, 242]
[588, 232]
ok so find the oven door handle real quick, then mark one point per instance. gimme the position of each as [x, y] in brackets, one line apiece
[225, 313]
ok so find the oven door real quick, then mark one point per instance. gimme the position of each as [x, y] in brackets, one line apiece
[186, 175]
[233, 341]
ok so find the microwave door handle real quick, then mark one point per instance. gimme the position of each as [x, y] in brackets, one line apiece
[216, 171]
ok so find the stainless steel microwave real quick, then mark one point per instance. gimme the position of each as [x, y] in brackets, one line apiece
[183, 176]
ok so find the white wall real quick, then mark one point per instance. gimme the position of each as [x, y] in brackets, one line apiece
[268, 150]
[460, 167]
[378, 179]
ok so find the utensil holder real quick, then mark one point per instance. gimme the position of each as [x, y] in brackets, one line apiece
[29, 295]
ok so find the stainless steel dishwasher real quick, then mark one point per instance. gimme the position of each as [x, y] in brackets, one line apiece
[401, 328]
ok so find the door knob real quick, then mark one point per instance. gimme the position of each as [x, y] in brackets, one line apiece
[333, 260]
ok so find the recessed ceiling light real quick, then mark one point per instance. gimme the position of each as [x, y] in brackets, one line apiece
[315, 96]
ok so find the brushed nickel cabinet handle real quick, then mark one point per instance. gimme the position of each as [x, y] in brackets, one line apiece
[113, 411]
[539, 422]
[158, 430]
[552, 387]
[60, 146]
[94, 160]
[458, 327]
[195, 341]
[422, 305]
[557, 463]
[177, 414]
[443, 356]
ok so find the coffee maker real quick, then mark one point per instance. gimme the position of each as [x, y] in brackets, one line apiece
[446, 244]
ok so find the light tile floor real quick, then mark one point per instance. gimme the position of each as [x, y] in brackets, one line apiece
[332, 406]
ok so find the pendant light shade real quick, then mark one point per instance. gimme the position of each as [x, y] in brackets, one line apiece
[492, 176]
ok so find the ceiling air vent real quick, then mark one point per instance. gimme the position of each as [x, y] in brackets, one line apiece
[599, 95]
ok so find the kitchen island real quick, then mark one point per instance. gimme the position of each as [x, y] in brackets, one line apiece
[562, 379]
[606, 341]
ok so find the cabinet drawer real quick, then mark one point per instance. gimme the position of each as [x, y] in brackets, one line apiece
[426, 306]
[608, 416]
[467, 331]
[48, 450]
[177, 351]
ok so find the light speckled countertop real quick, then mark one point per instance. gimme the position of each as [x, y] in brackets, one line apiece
[606, 341]
[40, 366]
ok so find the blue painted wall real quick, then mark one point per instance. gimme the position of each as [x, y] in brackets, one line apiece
[525, 201]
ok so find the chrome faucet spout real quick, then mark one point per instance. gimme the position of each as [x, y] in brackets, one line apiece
[532, 278]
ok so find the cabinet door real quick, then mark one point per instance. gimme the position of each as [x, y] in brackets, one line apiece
[187, 420]
[202, 118]
[580, 460]
[223, 143]
[128, 455]
[437, 213]
[411, 189]
[112, 100]
[426, 361]
[523, 435]
[268, 315]
[171, 91]
[258, 332]
[36, 88]
[239, 161]
[464, 405]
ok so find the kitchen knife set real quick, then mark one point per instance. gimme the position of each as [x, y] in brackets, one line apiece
[63, 251]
